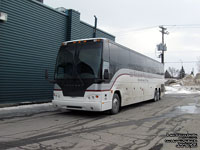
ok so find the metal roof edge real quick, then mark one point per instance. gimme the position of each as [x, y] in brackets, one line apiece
[46, 6]
[97, 28]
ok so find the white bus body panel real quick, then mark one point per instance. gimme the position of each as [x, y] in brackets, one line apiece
[89, 102]
[134, 86]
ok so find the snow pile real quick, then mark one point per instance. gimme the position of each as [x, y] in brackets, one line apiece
[188, 80]
[197, 78]
[171, 81]
[25, 110]
[178, 89]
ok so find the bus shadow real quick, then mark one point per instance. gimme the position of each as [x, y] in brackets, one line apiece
[85, 114]
[136, 105]
[93, 114]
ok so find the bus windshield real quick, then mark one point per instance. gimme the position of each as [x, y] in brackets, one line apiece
[79, 60]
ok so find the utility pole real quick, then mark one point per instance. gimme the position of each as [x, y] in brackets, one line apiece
[163, 31]
[95, 27]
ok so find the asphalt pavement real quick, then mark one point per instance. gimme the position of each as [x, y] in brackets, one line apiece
[169, 124]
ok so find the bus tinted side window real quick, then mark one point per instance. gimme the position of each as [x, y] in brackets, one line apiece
[119, 56]
[123, 57]
[106, 53]
[135, 61]
[114, 53]
[113, 59]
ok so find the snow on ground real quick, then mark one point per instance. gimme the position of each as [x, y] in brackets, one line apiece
[25, 110]
[178, 89]
[30, 109]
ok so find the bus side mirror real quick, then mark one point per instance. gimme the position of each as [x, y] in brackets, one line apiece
[106, 74]
[47, 77]
[46, 74]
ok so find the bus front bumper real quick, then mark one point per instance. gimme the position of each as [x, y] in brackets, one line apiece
[78, 105]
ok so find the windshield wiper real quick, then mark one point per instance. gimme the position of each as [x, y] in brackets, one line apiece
[80, 78]
[75, 70]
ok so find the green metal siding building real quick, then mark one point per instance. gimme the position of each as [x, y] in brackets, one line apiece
[29, 42]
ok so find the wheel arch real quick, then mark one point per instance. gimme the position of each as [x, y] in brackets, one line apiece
[119, 94]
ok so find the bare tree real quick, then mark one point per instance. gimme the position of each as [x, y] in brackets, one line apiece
[173, 72]
[198, 64]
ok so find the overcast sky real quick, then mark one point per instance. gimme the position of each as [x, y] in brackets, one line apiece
[135, 25]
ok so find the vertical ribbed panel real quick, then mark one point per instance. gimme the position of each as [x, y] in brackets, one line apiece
[87, 31]
[29, 42]
[74, 25]
[101, 33]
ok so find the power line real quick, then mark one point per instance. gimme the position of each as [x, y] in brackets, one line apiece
[183, 51]
[183, 62]
[183, 25]
[135, 29]
[125, 32]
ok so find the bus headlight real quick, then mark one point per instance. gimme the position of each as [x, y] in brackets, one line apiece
[56, 96]
[92, 97]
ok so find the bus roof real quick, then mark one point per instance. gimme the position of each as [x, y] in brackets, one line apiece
[87, 39]
[100, 38]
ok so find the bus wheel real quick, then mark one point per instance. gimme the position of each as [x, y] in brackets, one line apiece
[159, 94]
[115, 104]
[156, 95]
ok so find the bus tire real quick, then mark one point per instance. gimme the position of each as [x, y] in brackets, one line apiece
[159, 94]
[115, 104]
[156, 95]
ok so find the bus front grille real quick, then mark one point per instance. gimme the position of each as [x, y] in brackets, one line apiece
[74, 107]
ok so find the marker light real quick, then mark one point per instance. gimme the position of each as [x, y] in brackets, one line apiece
[98, 40]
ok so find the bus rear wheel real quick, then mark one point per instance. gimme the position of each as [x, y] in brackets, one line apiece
[115, 104]
[156, 95]
[159, 94]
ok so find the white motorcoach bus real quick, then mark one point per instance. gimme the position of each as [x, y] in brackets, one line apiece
[98, 75]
